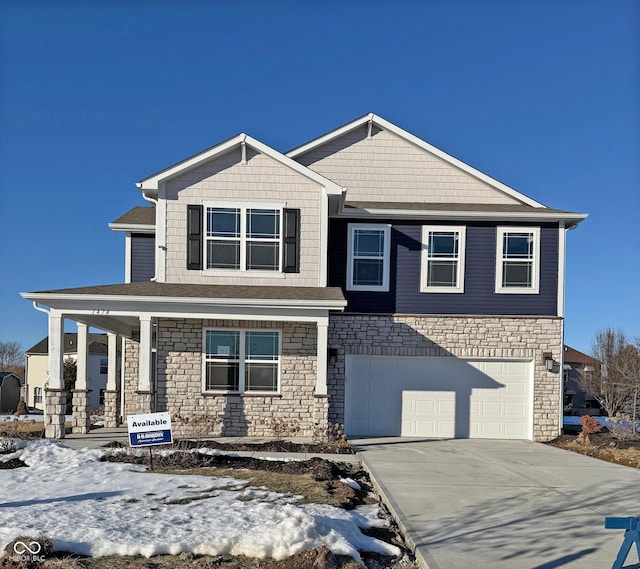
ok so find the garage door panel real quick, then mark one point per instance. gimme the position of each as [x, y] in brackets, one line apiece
[420, 396]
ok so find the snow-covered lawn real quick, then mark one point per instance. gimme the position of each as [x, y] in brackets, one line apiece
[102, 508]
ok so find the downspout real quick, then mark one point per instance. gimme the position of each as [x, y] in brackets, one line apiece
[155, 204]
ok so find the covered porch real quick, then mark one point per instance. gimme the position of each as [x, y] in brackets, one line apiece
[197, 352]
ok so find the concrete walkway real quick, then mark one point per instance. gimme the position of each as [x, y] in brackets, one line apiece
[480, 504]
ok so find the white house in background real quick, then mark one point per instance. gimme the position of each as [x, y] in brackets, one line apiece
[37, 368]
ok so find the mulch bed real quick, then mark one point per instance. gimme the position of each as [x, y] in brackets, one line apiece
[602, 446]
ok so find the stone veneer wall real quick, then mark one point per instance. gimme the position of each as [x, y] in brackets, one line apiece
[194, 413]
[460, 336]
[132, 362]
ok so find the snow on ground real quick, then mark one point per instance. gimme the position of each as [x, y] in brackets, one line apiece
[103, 508]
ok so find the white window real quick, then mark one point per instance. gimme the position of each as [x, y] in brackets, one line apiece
[518, 260]
[241, 360]
[368, 261]
[104, 366]
[243, 238]
[442, 258]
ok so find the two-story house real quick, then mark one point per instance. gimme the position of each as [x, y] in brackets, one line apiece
[365, 278]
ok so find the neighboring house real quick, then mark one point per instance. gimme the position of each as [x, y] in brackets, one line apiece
[365, 278]
[37, 367]
[10, 386]
[576, 400]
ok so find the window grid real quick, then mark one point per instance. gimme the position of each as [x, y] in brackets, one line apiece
[253, 242]
[443, 258]
[517, 260]
[252, 371]
[368, 262]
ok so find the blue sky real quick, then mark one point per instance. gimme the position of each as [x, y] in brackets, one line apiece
[542, 95]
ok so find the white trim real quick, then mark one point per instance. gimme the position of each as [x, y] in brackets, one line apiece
[427, 214]
[127, 258]
[144, 355]
[323, 240]
[424, 259]
[322, 342]
[242, 360]
[152, 182]
[386, 125]
[132, 227]
[56, 350]
[112, 361]
[161, 237]
[82, 356]
[243, 208]
[562, 249]
[386, 256]
[535, 261]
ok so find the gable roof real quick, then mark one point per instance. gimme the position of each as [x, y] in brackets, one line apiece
[373, 119]
[571, 355]
[97, 344]
[151, 183]
[5, 374]
[140, 219]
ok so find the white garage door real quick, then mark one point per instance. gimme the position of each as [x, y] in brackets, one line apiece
[438, 397]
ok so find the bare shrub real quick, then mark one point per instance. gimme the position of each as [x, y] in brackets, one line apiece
[621, 427]
[9, 444]
[589, 427]
[282, 428]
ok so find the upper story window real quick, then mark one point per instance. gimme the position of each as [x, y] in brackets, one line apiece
[243, 238]
[443, 250]
[368, 259]
[242, 360]
[518, 260]
[104, 366]
[231, 237]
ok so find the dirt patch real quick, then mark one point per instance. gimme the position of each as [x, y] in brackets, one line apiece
[316, 479]
[602, 446]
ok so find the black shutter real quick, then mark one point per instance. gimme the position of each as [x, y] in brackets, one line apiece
[291, 241]
[194, 237]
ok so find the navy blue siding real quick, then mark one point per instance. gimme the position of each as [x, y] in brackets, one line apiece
[404, 294]
[143, 262]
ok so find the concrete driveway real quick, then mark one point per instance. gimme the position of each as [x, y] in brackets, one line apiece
[485, 504]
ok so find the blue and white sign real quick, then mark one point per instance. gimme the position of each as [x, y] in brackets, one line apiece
[149, 429]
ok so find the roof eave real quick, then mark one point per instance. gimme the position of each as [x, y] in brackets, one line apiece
[572, 219]
[132, 227]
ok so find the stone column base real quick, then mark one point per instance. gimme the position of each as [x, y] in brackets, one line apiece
[320, 410]
[144, 402]
[111, 408]
[55, 405]
[81, 421]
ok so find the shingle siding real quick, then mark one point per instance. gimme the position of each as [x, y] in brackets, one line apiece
[143, 262]
[261, 180]
[388, 168]
[404, 294]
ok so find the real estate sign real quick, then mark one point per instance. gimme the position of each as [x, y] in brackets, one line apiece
[149, 429]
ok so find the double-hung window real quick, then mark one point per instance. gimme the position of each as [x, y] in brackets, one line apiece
[104, 366]
[241, 360]
[443, 250]
[243, 238]
[368, 261]
[518, 260]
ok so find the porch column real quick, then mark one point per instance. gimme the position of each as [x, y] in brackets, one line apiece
[111, 394]
[321, 397]
[144, 394]
[55, 398]
[80, 395]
